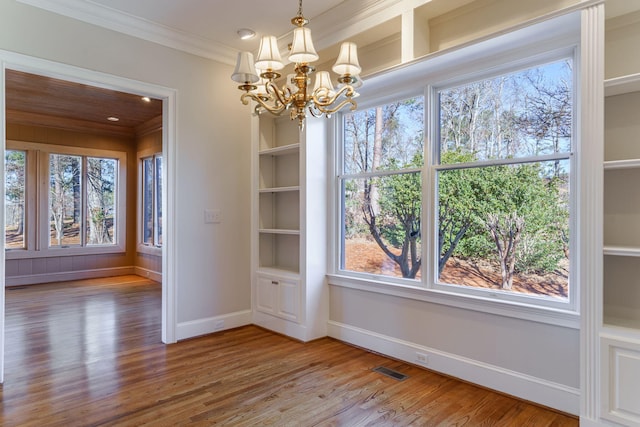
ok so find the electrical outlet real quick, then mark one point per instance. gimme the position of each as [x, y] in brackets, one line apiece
[212, 216]
[422, 358]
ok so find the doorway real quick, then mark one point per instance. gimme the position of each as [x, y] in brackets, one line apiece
[20, 65]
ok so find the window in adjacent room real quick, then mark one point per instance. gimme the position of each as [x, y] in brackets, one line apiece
[63, 199]
[151, 201]
[15, 163]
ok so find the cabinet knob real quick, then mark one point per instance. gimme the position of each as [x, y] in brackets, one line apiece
[274, 282]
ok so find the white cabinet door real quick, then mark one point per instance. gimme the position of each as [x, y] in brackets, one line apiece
[266, 294]
[621, 380]
[288, 299]
[278, 296]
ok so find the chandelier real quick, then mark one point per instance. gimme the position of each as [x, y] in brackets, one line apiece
[295, 94]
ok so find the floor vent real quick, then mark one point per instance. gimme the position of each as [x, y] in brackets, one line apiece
[391, 373]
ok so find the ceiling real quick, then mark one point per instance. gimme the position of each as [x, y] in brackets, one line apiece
[44, 101]
[203, 27]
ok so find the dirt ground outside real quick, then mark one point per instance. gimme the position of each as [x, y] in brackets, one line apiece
[366, 256]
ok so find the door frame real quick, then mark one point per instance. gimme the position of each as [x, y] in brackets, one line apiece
[19, 62]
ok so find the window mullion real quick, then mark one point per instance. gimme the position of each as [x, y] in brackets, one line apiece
[84, 205]
[380, 173]
[501, 162]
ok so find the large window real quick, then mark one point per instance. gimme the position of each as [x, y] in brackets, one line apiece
[481, 207]
[63, 199]
[151, 201]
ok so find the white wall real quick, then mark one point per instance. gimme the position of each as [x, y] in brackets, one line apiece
[212, 151]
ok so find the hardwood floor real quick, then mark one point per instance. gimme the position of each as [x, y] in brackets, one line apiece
[89, 354]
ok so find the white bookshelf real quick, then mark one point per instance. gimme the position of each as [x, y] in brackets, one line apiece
[289, 256]
[620, 329]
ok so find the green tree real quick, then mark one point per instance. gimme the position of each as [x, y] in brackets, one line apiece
[512, 211]
[397, 224]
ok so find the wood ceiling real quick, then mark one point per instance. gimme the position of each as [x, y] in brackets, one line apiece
[43, 101]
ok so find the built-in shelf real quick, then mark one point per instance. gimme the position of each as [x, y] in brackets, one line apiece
[280, 189]
[281, 151]
[622, 84]
[622, 251]
[278, 231]
[622, 164]
[621, 327]
[283, 272]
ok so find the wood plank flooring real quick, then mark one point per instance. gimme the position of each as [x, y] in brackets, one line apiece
[88, 353]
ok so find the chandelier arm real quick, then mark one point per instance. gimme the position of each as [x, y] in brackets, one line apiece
[314, 113]
[327, 101]
[338, 107]
[279, 96]
[276, 109]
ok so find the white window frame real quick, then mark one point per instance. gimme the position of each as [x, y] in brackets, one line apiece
[526, 47]
[340, 177]
[37, 227]
[142, 247]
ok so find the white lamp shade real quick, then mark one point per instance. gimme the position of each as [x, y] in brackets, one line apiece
[302, 49]
[323, 87]
[323, 80]
[269, 54]
[245, 71]
[347, 62]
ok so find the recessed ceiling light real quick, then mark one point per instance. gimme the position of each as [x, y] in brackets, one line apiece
[146, 99]
[246, 33]
[113, 119]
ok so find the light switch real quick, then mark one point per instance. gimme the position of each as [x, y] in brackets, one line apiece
[212, 216]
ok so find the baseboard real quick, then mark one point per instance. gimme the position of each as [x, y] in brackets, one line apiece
[199, 327]
[587, 422]
[543, 392]
[281, 326]
[149, 274]
[34, 279]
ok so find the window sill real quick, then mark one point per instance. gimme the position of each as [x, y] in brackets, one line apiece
[149, 250]
[557, 317]
[62, 252]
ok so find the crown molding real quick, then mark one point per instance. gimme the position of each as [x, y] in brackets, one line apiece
[333, 26]
[93, 13]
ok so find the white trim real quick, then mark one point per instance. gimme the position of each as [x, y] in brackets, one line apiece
[547, 393]
[210, 325]
[148, 274]
[3, 133]
[587, 422]
[281, 326]
[590, 114]
[33, 279]
[169, 230]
